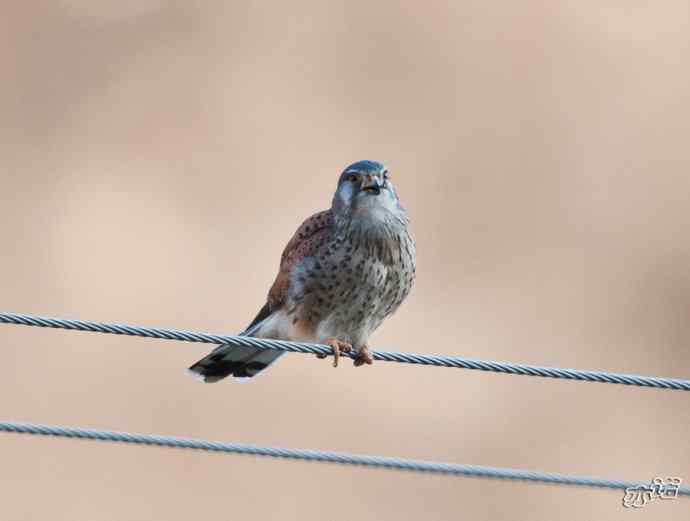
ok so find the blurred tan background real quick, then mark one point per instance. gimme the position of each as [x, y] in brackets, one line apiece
[156, 157]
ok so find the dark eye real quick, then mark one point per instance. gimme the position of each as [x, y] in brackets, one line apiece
[385, 175]
[353, 178]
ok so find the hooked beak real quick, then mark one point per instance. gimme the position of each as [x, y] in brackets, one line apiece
[372, 185]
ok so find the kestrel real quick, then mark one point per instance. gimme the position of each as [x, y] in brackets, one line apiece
[343, 272]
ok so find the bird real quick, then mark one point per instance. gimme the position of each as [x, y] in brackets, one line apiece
[342, 273]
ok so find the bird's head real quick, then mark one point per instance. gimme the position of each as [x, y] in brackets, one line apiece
[365, 191]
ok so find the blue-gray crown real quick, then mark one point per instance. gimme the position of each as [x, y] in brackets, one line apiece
[365, 167]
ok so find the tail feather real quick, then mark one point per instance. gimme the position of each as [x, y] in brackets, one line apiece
[241, 362]
[237, 361]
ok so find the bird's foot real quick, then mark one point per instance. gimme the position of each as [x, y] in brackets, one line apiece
[338, 347]
[364, 356]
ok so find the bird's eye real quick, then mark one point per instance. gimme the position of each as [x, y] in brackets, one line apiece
[353, 178]
[385, 174]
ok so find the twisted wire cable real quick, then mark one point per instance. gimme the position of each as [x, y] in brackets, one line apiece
[452, 469]
[385, 356]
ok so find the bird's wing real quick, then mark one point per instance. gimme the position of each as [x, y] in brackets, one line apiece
[312, 235]
[309, 237]
[247, 361]
[306, 241]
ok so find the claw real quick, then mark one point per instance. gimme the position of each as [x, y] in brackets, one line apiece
[364, 357]
[338, 347]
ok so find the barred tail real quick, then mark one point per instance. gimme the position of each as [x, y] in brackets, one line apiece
[238, 361]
